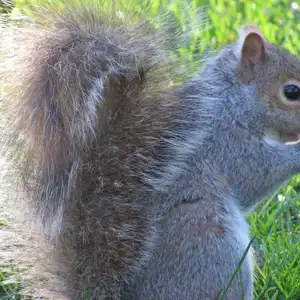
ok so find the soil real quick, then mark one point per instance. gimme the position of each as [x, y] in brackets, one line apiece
[20, 245]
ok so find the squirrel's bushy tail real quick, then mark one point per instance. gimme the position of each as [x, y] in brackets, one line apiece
[77, 64]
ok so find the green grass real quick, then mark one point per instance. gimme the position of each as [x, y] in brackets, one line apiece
[275, 225]
[10, 288]
[275, 230]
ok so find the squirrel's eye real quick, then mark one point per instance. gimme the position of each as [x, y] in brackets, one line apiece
[292, 92]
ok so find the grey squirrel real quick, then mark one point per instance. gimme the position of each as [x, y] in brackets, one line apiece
[139, 175]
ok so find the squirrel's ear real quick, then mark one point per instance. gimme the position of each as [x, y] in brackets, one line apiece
[251, 45]
[250, 48]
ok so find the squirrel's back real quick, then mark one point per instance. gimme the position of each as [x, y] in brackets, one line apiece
[95, 98]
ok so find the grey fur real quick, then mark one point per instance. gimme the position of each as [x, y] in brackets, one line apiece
[144, 186]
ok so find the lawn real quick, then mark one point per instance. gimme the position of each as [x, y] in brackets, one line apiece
[275, 225]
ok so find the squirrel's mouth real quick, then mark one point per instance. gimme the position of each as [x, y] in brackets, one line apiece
[291, 139]
[274, 137]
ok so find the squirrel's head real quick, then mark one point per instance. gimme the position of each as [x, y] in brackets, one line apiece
[274, 75]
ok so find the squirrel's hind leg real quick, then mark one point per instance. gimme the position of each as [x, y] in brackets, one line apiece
[199, 251]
